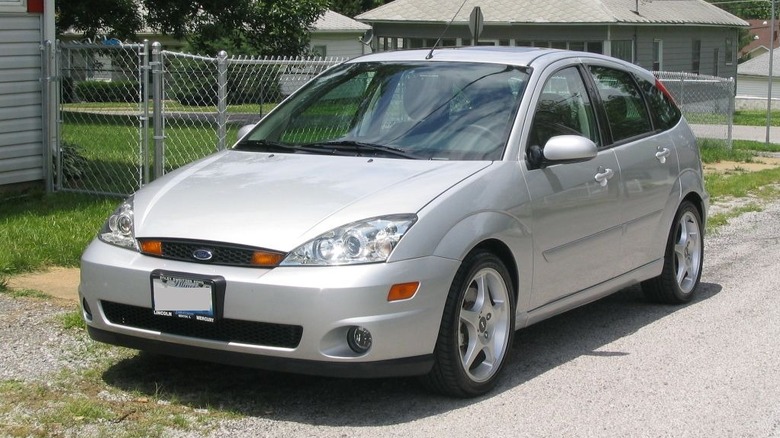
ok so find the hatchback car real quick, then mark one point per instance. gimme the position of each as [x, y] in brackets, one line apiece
[404, 213]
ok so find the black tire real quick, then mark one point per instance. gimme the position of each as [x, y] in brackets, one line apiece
[487, 326]
[683, 259]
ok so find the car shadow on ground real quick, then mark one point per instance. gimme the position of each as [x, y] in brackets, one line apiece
[377, 402]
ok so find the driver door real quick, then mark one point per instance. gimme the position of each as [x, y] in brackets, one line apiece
[576, 217]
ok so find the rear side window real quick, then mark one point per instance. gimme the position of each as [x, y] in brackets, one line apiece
[665, 112]
[626, 111]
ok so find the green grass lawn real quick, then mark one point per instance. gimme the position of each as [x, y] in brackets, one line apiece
[109, 149]
[755, 118]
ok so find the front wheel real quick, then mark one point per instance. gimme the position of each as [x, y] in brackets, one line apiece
[476, 329]
[683, 259]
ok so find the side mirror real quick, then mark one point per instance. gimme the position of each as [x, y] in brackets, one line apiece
[563, 149]
[244, 130]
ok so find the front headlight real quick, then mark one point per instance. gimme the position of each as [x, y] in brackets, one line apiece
[119, 229]
[367, 241]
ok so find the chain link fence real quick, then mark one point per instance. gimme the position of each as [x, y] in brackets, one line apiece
[129, 113]
[101, 118]
[707, 102]
[206, 100]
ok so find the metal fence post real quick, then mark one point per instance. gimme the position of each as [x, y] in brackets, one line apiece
[222, 63]
[157, 104]
[732, 103]
[143, 95]
[48, 123]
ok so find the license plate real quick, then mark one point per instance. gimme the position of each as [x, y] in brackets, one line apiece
[180, 297]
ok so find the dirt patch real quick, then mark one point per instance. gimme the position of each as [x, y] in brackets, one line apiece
[58, 282]
[760, 163]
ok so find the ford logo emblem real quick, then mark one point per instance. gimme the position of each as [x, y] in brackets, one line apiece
[203, 255]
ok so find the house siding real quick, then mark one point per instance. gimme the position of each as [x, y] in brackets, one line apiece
[339, 45]
[677, 40]
[757, 87]
[21, 124]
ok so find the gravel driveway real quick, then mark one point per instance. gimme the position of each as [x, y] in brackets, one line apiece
[617, 367]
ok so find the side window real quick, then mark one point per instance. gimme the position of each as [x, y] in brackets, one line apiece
[563, 108]
[665, 112]
[626, 112]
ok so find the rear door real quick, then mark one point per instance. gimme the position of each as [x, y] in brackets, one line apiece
[647, 158]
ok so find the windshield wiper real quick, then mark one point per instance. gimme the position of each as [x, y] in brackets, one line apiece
[264, 146]
[358, 146]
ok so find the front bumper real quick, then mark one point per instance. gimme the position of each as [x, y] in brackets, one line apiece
[322, 302]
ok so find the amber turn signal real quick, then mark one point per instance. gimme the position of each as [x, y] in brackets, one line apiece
[152, 247]
[262, 258]
[403, 291]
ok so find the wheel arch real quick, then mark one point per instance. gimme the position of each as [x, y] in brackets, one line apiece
[502, 251]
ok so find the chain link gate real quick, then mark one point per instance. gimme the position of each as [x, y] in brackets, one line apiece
[103, 118]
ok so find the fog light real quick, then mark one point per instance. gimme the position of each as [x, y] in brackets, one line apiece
[359, 339]
[87, 310]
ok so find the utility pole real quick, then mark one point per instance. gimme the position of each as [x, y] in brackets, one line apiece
[771, 64]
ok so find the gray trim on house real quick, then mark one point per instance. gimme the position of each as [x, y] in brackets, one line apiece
[21, 101]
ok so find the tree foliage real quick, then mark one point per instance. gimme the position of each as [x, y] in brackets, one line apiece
[351, 8]
[260, 27]
[747, 10]
[117, 18]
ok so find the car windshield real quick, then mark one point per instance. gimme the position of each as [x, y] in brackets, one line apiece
[418, 110]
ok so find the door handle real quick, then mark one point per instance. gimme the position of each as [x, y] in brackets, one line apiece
[604, 175]
[662, 154]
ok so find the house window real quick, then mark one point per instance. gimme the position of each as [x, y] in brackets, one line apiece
[415, 43]
[696, 56]
[623, 49]
[658, 55]
[321, 51]
[13, 5]
[594, 47]
[716, 62]
[577, 45]
[729, 51]
[558, 44]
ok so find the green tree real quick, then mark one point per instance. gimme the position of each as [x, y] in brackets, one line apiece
[259, 27]
[747, 10]
[117, 18]
[351, 8]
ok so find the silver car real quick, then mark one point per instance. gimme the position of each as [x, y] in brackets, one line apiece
[404, 213]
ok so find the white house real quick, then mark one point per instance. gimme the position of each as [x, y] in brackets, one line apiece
[753, 81]
[337, 35]
[24, 25]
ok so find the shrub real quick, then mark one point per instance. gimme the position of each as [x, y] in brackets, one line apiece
[104, 91]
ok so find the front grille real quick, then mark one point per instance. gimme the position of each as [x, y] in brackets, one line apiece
[222, 254]
[219, 253]
[226, 330]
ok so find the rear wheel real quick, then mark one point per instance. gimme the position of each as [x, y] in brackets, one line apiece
[476, 330]
[683, 259]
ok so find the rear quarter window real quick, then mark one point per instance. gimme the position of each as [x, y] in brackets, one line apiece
[665, 112]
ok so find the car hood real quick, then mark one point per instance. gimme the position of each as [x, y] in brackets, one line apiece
[280, 201]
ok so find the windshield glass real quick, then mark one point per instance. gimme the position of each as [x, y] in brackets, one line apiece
[423, 110]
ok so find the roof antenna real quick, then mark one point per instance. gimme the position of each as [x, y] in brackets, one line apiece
[430, 54]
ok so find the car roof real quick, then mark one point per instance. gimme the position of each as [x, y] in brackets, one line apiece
[534, 57]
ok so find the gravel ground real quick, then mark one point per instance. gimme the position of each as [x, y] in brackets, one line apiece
[617, 367]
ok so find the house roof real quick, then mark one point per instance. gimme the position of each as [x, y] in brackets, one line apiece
[332, 21]
[759, 66]
[697, 12]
